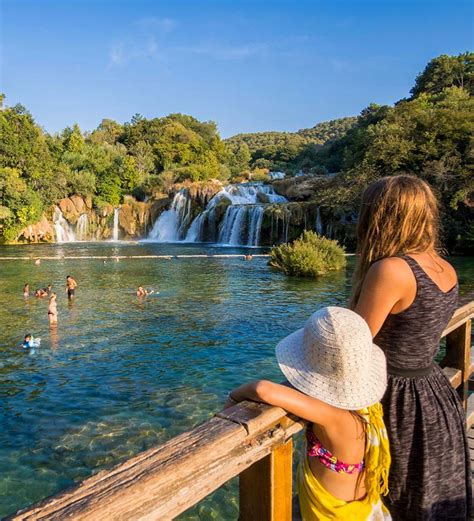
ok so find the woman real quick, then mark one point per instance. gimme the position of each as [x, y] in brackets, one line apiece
[407, 294]
[52, 310]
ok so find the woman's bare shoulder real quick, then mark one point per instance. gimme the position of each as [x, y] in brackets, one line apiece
[393, 269]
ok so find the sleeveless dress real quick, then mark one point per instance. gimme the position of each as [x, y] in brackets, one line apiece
[430, 475]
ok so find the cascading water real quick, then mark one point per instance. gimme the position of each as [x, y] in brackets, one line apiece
[240, 225]
[172, 224]
[242, 221]
[62, 228]
[115, 229]
[82, 227]
[319, 222]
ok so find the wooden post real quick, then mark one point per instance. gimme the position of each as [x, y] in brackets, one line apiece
[458, 355]
[266, 487]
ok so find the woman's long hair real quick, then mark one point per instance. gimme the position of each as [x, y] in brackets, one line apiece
[398, 215]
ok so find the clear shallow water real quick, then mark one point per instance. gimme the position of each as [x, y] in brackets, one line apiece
[121, 375]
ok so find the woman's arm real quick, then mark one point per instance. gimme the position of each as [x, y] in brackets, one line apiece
[389, 286]
[287, 398]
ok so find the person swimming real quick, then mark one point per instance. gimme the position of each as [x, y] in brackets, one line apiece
[29, 342]
[142, 292]
[26, 290]
[40, 293]
[52, 310]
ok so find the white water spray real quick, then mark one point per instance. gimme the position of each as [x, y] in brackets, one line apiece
[62, 228]
[115, 229]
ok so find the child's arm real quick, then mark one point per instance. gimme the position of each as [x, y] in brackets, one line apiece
[287, 398]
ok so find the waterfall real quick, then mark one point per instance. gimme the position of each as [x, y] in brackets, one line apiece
[319, 223]
[62, 228]
[242, 221]
[277, 175]
[240, 225]
[82, 227]
[171, 225]
[256, 218]
[115, 230]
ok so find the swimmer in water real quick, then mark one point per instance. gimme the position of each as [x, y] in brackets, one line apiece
[142, 292]
[40, 293]
[52, 310]
[30, 343]
[71, 286]
[26, 290]
[38, 262]
[27, 342]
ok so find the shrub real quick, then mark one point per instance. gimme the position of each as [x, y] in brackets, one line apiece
[308, 256]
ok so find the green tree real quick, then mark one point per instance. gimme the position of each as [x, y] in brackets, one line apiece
[446, 71]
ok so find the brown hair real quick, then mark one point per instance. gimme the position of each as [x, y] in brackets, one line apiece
[398, 215]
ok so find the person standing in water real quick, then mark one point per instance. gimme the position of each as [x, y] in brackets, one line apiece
[26, 290]
[52, 310]
[71, 286]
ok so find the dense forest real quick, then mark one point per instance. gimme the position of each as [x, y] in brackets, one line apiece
[428, 134]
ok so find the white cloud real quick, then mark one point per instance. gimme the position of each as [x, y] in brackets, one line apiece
[120, 54]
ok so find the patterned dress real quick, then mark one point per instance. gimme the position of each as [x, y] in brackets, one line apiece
[430, 476]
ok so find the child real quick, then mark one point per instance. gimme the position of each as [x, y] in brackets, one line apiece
[26, 290]
[337, 377]
[27, 342]
[30, 342]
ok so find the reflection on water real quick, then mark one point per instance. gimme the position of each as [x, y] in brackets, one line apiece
[120, 374]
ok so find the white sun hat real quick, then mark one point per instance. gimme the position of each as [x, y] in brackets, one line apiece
[334, 360]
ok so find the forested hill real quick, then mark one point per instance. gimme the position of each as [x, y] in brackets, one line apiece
[280, 149]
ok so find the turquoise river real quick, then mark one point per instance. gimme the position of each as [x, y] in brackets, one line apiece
[120, 374]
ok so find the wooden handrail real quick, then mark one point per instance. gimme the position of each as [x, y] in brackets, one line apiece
[250, 440]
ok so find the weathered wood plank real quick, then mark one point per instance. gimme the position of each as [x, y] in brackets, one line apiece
[458, 356]
[167, 480]
[461, 315]
[255, 417]
[266, 487]
[470, 414]
[453, 375]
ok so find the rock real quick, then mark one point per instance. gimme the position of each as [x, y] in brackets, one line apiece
[300, 188]
[68, 209]
[127, 220]
[262, 198]
[41, 231]
[221, 208]
[78, 203]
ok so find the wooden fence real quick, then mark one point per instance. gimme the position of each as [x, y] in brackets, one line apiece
[249, 440]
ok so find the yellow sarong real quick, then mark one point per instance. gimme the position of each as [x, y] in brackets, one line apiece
[317, 504]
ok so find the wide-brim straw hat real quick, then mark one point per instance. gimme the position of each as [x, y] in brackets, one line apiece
[332, 358]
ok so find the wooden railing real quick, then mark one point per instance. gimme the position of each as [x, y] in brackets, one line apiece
[249, 440]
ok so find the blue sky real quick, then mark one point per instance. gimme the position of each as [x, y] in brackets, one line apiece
[248, 65]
